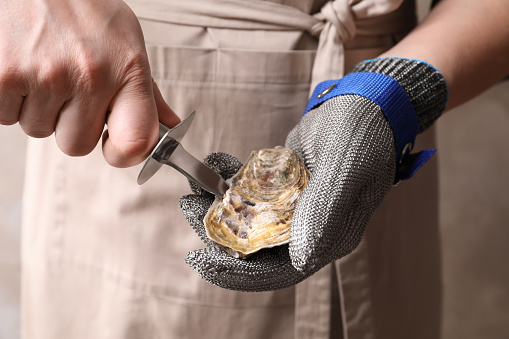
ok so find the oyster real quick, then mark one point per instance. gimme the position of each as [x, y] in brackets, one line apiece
[257, 209]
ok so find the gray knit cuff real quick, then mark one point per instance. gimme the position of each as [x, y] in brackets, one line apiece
[423, 83]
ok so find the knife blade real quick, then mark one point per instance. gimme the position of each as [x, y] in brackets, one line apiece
[169, 151]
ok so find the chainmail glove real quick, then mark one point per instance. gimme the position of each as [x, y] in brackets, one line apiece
[349, 146]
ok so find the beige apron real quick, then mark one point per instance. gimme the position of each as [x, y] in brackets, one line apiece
[103, 257]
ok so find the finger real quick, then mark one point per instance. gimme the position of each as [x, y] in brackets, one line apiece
[166, 115]
[80, 124]
[267, 270]
[302, 139]
[133, 124]
[38, 118]
[10, 107]
[293, 141]
[311, 239]
[11, 98]
[41, 107]
[194, 208]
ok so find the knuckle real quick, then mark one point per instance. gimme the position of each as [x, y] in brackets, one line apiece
[12, 82]
[136, 67]
[131, 147]
[135, 58]
[10, 71]
[8, 78]
[90, 71]
[50, 76]
[134, 147]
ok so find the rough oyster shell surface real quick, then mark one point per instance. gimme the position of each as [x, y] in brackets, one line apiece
[257, 210]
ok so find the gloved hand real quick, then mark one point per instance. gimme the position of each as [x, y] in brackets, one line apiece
[354, 140]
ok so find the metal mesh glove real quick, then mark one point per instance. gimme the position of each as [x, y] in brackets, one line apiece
[348, 145]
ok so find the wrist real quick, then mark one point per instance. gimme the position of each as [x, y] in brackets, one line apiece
[423, 83]
[410, 93]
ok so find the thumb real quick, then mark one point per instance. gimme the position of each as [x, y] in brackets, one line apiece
[132, 124]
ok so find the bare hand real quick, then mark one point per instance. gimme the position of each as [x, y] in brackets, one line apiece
[65, 64]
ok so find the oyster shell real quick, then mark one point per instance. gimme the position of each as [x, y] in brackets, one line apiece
[257, 210]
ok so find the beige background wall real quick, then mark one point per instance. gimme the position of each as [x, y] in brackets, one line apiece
[12, 155]
[474, 193]
[473, 145]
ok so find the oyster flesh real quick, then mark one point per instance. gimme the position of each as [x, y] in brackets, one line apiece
[257, 209]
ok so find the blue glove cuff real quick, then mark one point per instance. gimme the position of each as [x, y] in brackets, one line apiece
[388, 94]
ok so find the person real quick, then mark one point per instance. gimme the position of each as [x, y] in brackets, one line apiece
[103, 257]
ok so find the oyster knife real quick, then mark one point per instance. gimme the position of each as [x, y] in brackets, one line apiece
[169, 151]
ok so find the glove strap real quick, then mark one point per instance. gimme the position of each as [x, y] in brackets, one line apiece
[388, 94]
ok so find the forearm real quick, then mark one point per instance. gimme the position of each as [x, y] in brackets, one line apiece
[467, 41]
